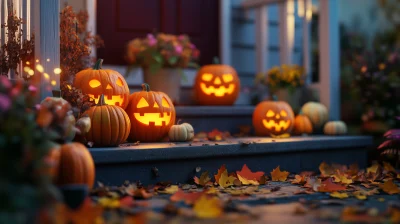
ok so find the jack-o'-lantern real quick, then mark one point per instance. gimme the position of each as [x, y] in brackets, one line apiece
[273, 118]
[96, 81]
[216, 85]
[151, 114]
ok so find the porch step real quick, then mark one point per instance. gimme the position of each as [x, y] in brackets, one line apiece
[223, 118]
[177, 162]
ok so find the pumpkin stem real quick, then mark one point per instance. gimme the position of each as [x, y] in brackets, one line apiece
[178, 121]
[216, 60]
[98, 64]
[146, 87]
[274, 98]
[101, 102]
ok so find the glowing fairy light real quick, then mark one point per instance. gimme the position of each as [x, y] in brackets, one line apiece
[37, 60]
[57, 71]
[31, 72]
[46, 76]
[28, 63]
[39, 68]
[53, 82]
[27, 69]
[69, 86]
[48, 59]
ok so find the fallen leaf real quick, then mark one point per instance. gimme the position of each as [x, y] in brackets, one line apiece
[263, 180]
[395, 215]
[245, 181]
[110, 203]
[169, 190]
[299, 179]
[366, 185]
[86, 213]
[212, 190]
[388, 167]
[278, 175]
[313, 183]
[220, 171]
[286, 135]
[142, 194]
[188, 198]
[247, 174]
[328, 186]
[206, 207]
[225, 180]
[203, 180]
[373, 169]
[359, 195]
[250, 190]
[326, 170]
[390, 187]
[339, 195]
[126, 201]
[340, 177]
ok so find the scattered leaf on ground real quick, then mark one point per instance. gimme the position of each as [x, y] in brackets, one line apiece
[373, 169]
[220, 171]
[328, 186]
[206, 207]
[339, 195]
[390, 187]
[245, 181]
[299, 179]
[225, 180]
[169, 190]
[278, 175]
[188, 198]
[249, 175]
[86, 213]
[203, 180]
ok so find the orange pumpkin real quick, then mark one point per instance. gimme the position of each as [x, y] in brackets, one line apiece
[96, 81]
[302, 125]
[110, 125]
[151, 113]
[273, 118]
[76, 165]
[216, 85]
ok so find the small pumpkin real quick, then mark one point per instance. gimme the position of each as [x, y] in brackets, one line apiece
[302, 124]
[317, 113]
[110, 125]
[181, 133]
[96, 81]
[76, 165]
[216, 84]
[151, 113]
[273, 118]
[335, 128]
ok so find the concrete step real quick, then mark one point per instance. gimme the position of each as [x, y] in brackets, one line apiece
[177, 162]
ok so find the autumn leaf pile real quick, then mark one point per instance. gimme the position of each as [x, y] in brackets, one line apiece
[212, 196]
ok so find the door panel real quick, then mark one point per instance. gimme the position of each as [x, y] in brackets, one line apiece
[119, 21]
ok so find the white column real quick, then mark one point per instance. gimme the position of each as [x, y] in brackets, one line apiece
[306, 25]
[225, 24]
[26, 15]
[91, 25]
[47, 44]
[4, 17]
[329, 57]
[261, 25]
[286, 31]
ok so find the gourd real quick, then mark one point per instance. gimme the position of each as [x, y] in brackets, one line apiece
[335, 128]
[317, 113]
[181, 132]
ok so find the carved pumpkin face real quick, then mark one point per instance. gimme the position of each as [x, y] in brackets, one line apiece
[217, 85]
[273, 118]
[96, 81]
[151, 113]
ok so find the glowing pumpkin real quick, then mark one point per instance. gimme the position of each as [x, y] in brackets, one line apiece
[216, 85]
[273, 118]
[151, 114]
[96, 81]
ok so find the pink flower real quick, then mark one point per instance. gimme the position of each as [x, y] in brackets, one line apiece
[37, 106]
[32, 88]
[178, 49]
[181, 37]
[5, 102]
[151, 40]
[5, 81]
[192, 46]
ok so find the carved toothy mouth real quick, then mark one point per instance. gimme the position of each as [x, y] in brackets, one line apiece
[282, 125]
[116, 100]
[218, 92]
[153, 118]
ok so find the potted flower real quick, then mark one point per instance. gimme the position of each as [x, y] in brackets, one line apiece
[285, 82]
[162, 58]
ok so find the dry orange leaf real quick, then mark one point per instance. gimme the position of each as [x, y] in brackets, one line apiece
[328, 186]
[326, 170]
[388, 167]
[278, 175]
[299, 179]
[188, 198]
[203, 180]
[390, 187]
[207, 208]
[225, 180]
[373, 169]
[86, 213]
[220, 171]
[339, 195]
[340, 177]
[247, 174]
[245, 181]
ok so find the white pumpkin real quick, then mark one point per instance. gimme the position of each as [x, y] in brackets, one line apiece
[181, 133]
[335, 128]
[317, 112]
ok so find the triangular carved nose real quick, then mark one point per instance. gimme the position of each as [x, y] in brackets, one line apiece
[108, 86]
[217, 81]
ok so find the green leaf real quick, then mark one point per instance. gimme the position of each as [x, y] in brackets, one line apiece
[158, 58]
[154, 68]
[173, 60]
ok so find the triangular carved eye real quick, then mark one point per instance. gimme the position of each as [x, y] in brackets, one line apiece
[94, 83]
[207, 76]
[156, 105]
[165, 103]
[142, 103]
[283, 113]
[270, 113]
[119, 82]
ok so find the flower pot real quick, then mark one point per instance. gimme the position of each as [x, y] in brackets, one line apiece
[167, 80]
[293, 98]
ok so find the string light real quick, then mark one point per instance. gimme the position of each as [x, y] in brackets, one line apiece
[57, 71]
[39, 68]
[48, 59]
[46, 76]
[31, 72]
[53, 82]
[28, 63]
